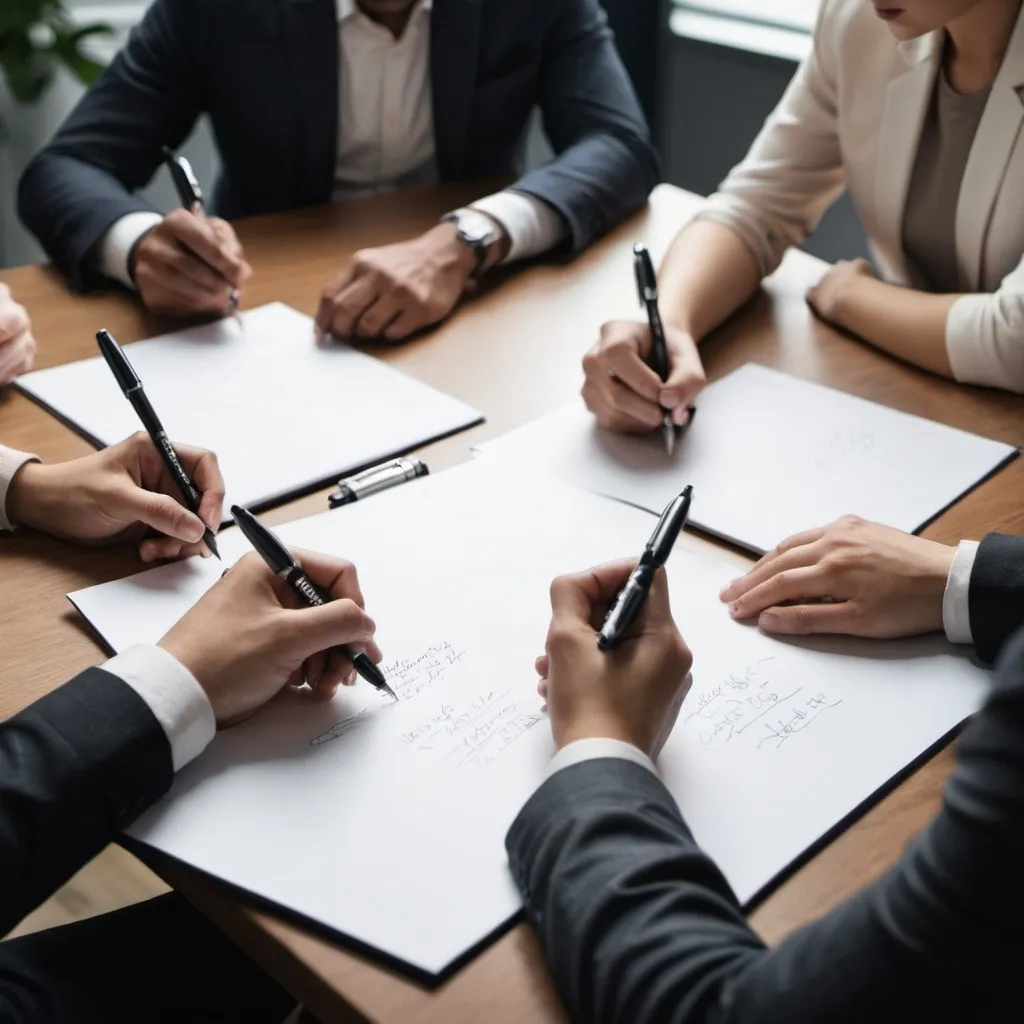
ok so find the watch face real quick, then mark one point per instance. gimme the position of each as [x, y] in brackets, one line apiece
[476, 228]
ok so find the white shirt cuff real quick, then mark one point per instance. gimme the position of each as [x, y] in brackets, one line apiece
[117, 244]
[594, 750]
[10, 462]
[177, 701]
[956, 611]
[533, 227]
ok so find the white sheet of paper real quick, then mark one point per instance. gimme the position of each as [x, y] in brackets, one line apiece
[283, 414]
[385, 822]
[768, 456]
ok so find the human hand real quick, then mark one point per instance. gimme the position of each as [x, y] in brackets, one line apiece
[878, 582]
[188, 265]
[246, 639]
[828, 297]
[624, 393]
[390, 293]
[120, 493]
[632, 693]
[17, 346]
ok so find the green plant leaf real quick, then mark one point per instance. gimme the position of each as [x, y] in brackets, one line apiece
[29, 65]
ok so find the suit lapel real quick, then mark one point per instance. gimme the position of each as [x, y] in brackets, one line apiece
[998, 134]
[906, 104]
[454, 60]
[311, 35]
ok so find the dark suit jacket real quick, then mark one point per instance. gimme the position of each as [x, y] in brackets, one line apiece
[639, 926]
[996, 596]
[76, 768]
[266, 71]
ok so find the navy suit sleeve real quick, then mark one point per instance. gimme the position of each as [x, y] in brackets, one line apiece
[83, 181]
[605, 166]
[996, 593]
[76, 768]
[639, 927]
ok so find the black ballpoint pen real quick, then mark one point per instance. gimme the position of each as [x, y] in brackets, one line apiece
[129, 383]
[282, 564]
[647, 289]
[631, 597]
[190, 195]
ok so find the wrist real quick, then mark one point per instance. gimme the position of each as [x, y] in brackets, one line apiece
[449, 252]
[594, 726]
[849, 298]
[27, 496]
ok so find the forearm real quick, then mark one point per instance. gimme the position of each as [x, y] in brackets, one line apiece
[908, 324]
[75, 769]
[708, 274]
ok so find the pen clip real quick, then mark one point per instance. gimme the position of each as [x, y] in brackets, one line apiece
[186, 183]
[646, 281]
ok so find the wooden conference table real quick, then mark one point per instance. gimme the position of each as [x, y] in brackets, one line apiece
[514, 353]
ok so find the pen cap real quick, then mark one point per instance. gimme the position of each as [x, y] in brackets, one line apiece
[266, 543]
[126, 377]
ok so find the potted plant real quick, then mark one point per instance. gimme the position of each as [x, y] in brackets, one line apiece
[44, 63]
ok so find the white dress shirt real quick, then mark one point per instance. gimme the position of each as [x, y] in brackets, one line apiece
[385, 138]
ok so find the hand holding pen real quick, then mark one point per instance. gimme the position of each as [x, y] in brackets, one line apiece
[643, 377]
[131, 387]
[189, 264]
[285, 566]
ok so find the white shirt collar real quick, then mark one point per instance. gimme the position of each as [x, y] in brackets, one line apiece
[349, 8]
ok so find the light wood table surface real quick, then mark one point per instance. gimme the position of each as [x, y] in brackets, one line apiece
[513, 352]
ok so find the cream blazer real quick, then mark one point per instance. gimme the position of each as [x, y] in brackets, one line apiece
[853, 116]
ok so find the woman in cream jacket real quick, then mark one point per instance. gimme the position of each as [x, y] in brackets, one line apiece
[918, 110]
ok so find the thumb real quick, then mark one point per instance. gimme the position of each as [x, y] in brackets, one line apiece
[686, 378]
[159, 512]
[330, 625]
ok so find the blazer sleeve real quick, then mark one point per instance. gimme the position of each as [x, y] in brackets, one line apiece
[76, 768]
[793, 171]
[995, 595]
[605, 166]
[639, 927]
[83, 182]
[985, 336]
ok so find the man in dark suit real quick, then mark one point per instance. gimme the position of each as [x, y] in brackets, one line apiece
[863, 579]
[314, 99]
[639, 926]
[78, 766]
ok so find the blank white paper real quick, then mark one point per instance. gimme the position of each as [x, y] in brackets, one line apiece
[385, 822]
[283, 414]
[768, 456]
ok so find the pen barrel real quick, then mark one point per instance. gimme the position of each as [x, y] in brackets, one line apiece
[658, 359]
[304, 589]
[625, 608]
[190, 495]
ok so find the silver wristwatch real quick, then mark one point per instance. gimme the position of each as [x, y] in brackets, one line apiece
[475, 230]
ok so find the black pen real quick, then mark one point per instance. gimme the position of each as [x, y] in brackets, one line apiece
[631, 597]
[647, 289]
[129, 383]
[282, 564]
[190, 195]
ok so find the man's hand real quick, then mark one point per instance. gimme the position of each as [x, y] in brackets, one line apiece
[120, 493]
[17, 346]
[390, 293]
[632, 693]
[246, 640]
[827, 298]
[624, 393]
[187, 265]
[875, 581]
